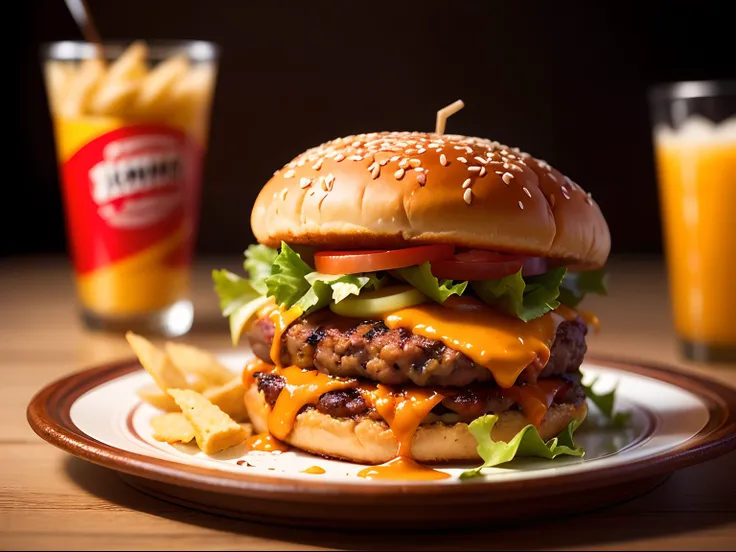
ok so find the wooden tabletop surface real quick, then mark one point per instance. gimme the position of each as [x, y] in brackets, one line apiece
[51, 500]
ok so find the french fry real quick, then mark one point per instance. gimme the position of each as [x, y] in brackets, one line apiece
[113, 97]
[153, 96]
[214, 430]
[192, 360]
[230, 398]
[131, 65]
[82, 87]
[172, 428]
[157, 363]
[157, 398]
[59, 75]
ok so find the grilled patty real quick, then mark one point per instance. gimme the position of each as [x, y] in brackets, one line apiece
[339, 347]
[465, 404]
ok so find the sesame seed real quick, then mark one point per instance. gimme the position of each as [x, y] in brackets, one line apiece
[403, 163]
[355, 144]
[421, 150]
[507, 178]
[462, 159]
[370, 167]
[480, 160]
[422, 179]
[527, 192]
[443, 160]
[398, 175]
[467, 183]
[552, 176]
[565, 193]
[506, 166]
[383, 162]
[301, 163]
[511, 156]
[475, 168]
[498, 172]
[356, 157]
[482, 172]
[414, 163]
[289, 173]
[339, 157]
[459, 147]
[395, 158]
[283, 193]
[439, 150]
[318, 165]
[376, 171]
[330, 180]
[292, 165]
[305, 182]
[418, 169]
[323, 183]
[468, 196]
[521, 205]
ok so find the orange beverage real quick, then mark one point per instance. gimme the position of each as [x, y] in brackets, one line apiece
[696, 162]
[130, 130]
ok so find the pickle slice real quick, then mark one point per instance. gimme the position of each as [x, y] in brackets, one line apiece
[374, 304]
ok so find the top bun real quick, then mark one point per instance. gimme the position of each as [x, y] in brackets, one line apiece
[399, 189]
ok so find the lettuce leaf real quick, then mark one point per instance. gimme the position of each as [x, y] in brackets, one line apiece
[576, 284]
[525, 298]
[286, 283]
[239, 300]
[605, 403]
[526, 443]
[258, 262]
[421, 277]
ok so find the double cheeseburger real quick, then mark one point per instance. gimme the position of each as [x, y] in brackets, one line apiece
[406, 284]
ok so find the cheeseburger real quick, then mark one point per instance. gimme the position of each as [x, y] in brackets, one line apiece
[413, 296]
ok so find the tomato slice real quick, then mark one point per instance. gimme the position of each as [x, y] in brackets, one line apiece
[352, 262]
[477, 264]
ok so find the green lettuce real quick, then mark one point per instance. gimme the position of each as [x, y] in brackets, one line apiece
[525, 298]
[258, 262]
[576, 284]
[526, 443]
[239, 300]
[605, 403]
[287, 284]
[421, 277]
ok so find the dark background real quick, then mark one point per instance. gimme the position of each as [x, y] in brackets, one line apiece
[565, 81]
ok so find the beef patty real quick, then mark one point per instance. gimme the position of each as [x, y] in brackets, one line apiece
[465, 404]
[343, 348]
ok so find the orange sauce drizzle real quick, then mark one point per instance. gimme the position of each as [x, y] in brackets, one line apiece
[535, 399]
[591, 320]
[314, 470]
[302, 388]
[252, 367]
[402, 410]
[265, 442]
[402, 468]
[281, 321]
[504, 345]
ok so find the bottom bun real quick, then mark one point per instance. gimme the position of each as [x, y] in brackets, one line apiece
[368, 441]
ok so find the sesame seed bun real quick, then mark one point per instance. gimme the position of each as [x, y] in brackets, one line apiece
[397, 189]
[369, 441]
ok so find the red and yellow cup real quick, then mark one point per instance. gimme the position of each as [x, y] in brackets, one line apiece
[130, 130]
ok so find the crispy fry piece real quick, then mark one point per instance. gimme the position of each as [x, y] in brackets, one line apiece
[214, 430]
[157, 398]
[59, 76]
[82, 87]
[193, 360]
[157, 363]
[113, 97]
[172, 428]
[154, 94]
[131, 65]
[230, 398]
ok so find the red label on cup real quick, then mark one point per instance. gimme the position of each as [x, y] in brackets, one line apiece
[129, 189]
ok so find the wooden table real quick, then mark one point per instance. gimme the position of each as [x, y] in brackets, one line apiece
[49, 499]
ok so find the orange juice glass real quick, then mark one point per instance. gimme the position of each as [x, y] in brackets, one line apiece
[130, 128]
[695, 145]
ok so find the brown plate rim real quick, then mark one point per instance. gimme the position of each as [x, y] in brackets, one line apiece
[48, 414]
